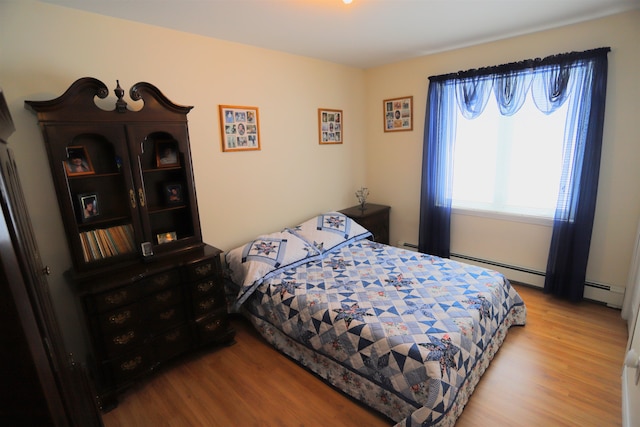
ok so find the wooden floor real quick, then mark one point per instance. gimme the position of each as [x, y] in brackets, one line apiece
[562, 369]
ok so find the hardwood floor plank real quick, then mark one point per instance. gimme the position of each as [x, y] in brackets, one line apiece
[562, 369]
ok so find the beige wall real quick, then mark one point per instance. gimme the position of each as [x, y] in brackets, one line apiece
[394, 160]
[44, 48]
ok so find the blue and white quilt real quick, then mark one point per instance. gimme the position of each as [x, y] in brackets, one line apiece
[406, 333]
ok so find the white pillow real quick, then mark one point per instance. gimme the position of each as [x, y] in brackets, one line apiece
[330, 231]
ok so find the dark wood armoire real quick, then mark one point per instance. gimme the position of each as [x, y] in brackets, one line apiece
[41, 384]
[150, 289]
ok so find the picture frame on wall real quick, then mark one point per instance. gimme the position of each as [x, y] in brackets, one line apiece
[398, 114]
[239, 128]
[78, 161]
[330, 126]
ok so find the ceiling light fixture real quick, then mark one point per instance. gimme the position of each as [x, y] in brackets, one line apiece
[347, 1]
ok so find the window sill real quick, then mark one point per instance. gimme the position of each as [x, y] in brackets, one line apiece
[528, 219]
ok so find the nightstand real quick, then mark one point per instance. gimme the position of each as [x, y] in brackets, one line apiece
[374, 218]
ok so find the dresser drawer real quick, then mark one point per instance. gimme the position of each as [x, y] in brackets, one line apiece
[131, 365]
[171, 343]
[213, 328]
[166, 318]
[202, 269]
[121, 318]
[163, 299]
[113, 299]
[161, 281]
[123, 340]
[204, 287]
[209, 303]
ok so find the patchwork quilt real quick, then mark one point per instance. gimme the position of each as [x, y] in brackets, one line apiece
[406, 333]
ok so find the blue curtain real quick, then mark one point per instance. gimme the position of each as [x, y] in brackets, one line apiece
[437, 170]
[573, 221]
[578, 78]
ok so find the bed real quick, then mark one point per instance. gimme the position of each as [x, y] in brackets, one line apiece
[405, 333]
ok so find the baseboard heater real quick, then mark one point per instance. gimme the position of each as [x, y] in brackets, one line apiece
[612, 296]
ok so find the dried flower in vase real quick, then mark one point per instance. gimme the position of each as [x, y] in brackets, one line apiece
[362, 194]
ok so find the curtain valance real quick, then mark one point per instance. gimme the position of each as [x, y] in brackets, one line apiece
[550, 79]
[559, 59]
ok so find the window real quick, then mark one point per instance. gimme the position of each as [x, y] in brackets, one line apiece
[509, 164]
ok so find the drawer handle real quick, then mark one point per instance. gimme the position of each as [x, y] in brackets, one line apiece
[213, 325]
[124, 339]
[161, 280]
[164, 297]
[167, 315]
[205, 286]
[132, 364]
[120, 318]
[116, 298]
[173, 336]
[203, 270]
[207, 304]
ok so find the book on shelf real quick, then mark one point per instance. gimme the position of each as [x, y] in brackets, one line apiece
[103, 243]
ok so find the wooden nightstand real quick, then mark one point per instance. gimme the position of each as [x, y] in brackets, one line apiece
[374, 218]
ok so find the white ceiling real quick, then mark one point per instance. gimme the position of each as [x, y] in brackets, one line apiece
[363, 34]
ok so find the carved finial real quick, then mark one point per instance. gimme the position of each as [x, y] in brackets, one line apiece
[121, 104]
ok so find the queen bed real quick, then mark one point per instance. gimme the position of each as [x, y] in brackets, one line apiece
[405, 333]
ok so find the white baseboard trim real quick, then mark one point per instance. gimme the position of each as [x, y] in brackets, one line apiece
[610, 295]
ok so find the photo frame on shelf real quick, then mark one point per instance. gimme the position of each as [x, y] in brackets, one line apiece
[147, 249]
[239, 128]
[398, 114]
[167, 237]
[330, 126]
[173, 193]
[167, 154]
[78, 161]
[88, 206]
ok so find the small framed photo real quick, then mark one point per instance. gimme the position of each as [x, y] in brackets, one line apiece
[398, 114]
[173, 194]
[239, 128]
[88, 206]
[167, 154]
[330, 126]
[147, 249]
[78, 161]
[167, 237]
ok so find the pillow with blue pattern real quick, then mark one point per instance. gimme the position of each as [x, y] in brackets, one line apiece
[250, 264]
[330, 231]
